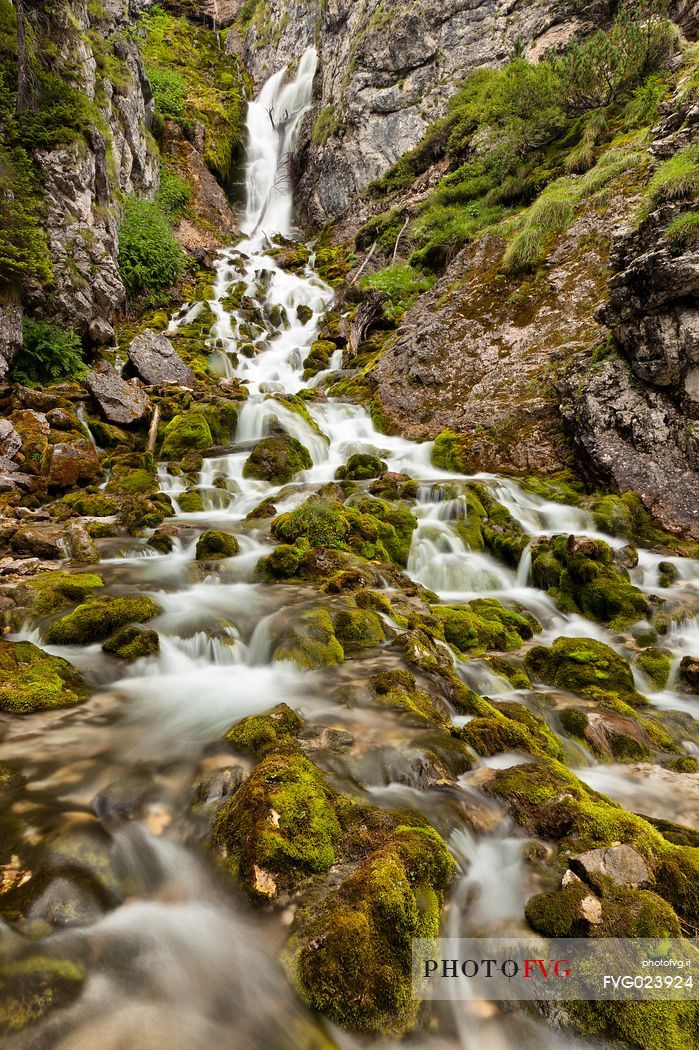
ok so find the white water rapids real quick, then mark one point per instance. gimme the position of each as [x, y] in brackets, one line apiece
[183, 963]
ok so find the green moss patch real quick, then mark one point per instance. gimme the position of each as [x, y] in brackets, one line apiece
[31, 680]
[277, 459]
[99, 618]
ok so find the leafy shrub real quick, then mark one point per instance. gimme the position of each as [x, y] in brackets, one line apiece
[400, 284]
[601, 69]
[174, 194]
[150, 259]
[49, 355]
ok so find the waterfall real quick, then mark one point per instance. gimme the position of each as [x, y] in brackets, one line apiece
[273, 123]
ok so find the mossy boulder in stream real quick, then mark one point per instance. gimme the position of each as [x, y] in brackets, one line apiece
[361, 467]
[485, 624]
[316, 521]
[31, 987]
[277, 459]
[622, 912]
[259, 733]
[586, 667]
[213, 545]
[580, 574]
[350, 955]
[379, 530]
[358, 629]
[656, 664]
[280, 824]
[399, 691]
[99, 618]
[551, 802]
[51, 591]
[310, 641]
[31, 680]
[132, 643]
[186, 432]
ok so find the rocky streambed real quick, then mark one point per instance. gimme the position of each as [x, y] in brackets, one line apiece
[282, 692]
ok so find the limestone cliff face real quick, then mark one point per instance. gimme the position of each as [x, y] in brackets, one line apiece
[386, 72]
[84, 182]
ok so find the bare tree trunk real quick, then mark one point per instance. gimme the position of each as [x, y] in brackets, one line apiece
[25, 94]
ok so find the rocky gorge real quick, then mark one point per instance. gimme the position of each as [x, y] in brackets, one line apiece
[348, 462]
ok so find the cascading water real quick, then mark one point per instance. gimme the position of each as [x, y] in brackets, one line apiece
[202, 965]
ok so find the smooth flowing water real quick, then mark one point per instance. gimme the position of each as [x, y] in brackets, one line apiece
[183, 962]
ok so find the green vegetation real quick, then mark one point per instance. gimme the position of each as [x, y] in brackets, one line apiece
[586, 667]
[677, 178]
[99, 618]
[196, 82]
[485, 624]
[401, 285]
[683, 231]
[277, 459]
[510, 133]
[131, 643]
[31, 680]
[49, 354]
[213, 545]
[580, 574]
[174, 194]
[150, 259]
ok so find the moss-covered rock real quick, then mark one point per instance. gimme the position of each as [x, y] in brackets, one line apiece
[259, 733]
[487, 525]
[132, 643]
[485, 624]
[351, 957]
[656, 664]
[213, 545]
[316, 521]
[622, 912]
[92, 504]
[31, 987]
[191, 502]
[51, 591]
[586, 667]
[361, 467]
[358, 629]
[551, 802]
[638, 1024]
[379, 530]
[97, 619]
[31, 680]
[185, 432]
[318, 358]
[277, 459]
[580, 574]
[310, 641]
[399, 691]
[280, 822]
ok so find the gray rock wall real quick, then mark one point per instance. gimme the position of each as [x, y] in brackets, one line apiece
[387, 72]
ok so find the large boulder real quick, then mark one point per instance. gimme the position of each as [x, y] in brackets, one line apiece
[71, 463]
[157, 362]
[277, 459]
[120, 402]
